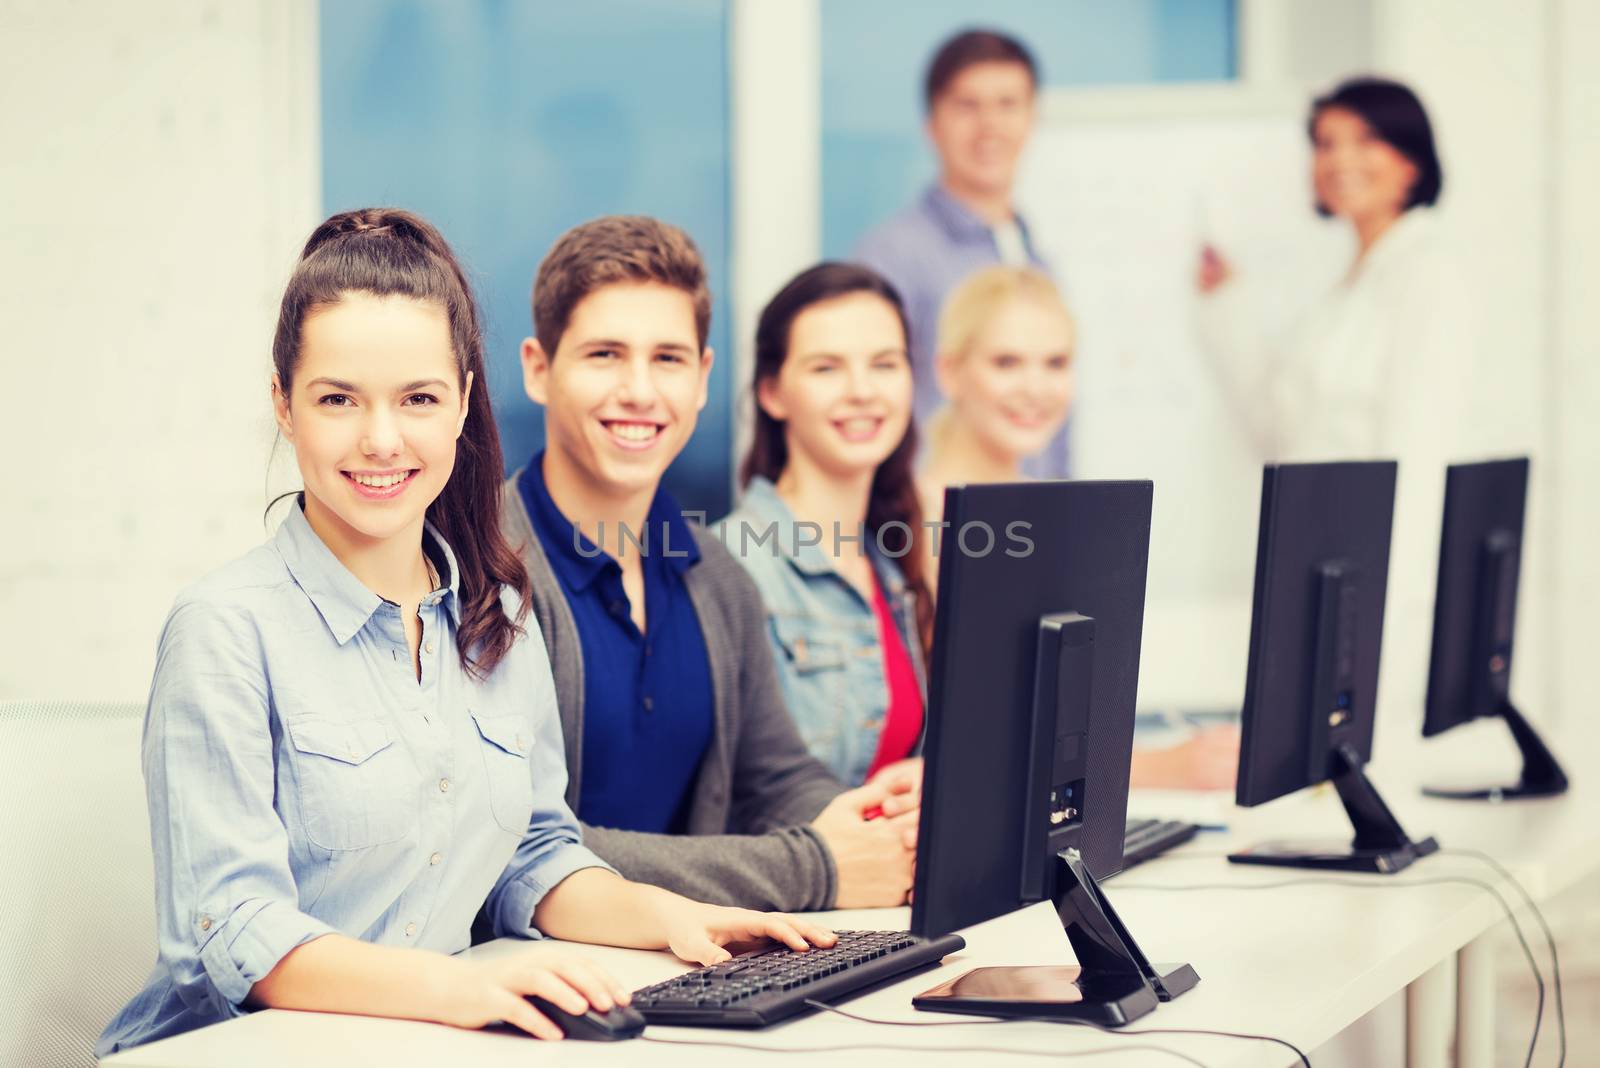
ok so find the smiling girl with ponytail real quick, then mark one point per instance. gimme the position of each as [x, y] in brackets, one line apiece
[351, 744]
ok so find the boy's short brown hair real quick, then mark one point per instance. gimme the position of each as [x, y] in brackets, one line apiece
[612, 249]
[968, 49]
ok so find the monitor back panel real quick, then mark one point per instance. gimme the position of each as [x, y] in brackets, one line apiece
[1479, 499]
[1089, 554]
[1311, 514]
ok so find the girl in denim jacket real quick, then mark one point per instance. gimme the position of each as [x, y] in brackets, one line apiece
[830, 526]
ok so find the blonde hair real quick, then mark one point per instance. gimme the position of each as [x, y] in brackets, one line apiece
[971, 306]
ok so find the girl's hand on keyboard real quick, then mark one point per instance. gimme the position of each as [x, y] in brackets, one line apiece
[698, 933]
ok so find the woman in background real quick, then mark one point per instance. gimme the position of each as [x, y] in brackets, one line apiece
[1349, 379]
[830, 469]
[351, 744]
[1381, 365]
[1004, 360]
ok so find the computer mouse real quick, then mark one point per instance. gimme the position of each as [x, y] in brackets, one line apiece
[623, 1021]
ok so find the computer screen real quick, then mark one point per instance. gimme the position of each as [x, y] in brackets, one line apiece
[1073, 555]
[1311, 688]
[1322, 568]
[1475, 606]
[1475, 620]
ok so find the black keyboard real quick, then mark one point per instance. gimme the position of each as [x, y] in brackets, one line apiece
[767, 985]
[1149, 838]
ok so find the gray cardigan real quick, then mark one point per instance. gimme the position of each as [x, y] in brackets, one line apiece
[749, 843]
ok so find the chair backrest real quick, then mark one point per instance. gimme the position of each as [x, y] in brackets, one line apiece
[77, 908]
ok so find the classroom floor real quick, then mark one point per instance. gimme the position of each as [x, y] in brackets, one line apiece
[1575, 922]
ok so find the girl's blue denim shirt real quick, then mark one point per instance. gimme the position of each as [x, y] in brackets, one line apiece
[824, 633]
[302, 780]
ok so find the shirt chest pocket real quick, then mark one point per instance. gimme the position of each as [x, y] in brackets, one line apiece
[506, 741]
[832, 681]
[811, 645]
[357, 788]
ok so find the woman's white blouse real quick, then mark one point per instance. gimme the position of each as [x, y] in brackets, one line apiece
[1381, 367]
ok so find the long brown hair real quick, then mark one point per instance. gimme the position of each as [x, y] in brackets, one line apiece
[894, 490]
[389, 252]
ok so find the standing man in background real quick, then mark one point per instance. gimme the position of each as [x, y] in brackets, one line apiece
[979, 94]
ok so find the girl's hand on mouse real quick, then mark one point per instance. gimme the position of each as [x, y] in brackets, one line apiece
[486, 991]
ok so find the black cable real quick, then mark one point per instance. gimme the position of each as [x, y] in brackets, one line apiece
[824, 1007]
[1516, 884]
[1549, 939]
[1072, 1023]
[1440, 880]
[923, 1049]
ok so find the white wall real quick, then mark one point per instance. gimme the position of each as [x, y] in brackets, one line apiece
[1574, 393]
[159, 173]
[1512, 91]
[775, 79]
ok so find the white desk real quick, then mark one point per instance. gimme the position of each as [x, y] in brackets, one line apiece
[1301, 963]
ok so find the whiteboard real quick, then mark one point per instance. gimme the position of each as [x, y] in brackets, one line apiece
[1121, 198]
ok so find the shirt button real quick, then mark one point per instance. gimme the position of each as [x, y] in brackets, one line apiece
[411, 929]
[522, 743]
[427, 647]
[436, 858]
[649, 704]
[444, 785]
[205, 923]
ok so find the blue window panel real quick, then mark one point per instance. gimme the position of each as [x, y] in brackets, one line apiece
[505, 123]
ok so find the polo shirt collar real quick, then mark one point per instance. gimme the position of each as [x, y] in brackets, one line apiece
[960, 223]
[666, 520]
[576, 559]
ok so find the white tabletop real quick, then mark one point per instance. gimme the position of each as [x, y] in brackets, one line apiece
[1299, 962]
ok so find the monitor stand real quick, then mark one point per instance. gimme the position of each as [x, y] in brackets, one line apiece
[1380, 845]
[1541, 774]
[1113, 983]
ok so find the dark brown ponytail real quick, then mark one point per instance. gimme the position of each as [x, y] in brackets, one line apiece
[389, 252]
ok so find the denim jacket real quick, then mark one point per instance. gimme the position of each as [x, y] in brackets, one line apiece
[824, 633]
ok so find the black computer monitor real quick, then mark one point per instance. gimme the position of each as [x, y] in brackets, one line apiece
[1475, 616]
[1316, 628]
[1030, 725]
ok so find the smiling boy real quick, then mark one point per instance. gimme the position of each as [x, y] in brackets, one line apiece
[684, 766]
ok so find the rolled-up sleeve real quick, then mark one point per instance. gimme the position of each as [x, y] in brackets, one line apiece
[552, 848]
[226, 901]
